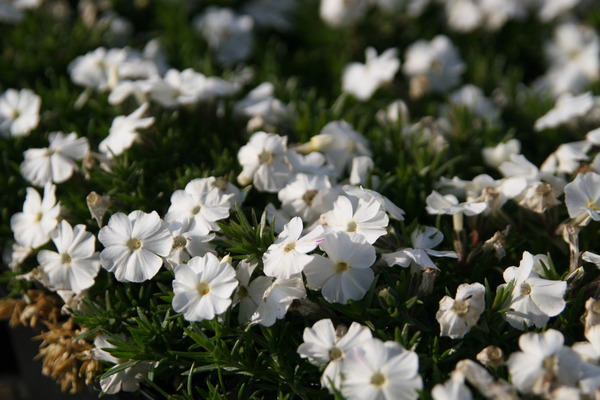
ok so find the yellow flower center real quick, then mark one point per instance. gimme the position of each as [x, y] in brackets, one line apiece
[378, 379]
[460, 307]
[525, 289]
[66, 259]
[335, 353]
[289, 247]
[134, 244]
[342, 266]
[265, 157]
[309, 196]
[196, 210]
[351, 226]
[203, 288]
[179, 242]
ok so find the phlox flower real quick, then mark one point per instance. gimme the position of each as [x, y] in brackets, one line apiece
[134, 245]
[582, 197]
[495, 156]
[338, 13]
[533, 300]
[249, 294]
[360, 169]
[127, 380]
[543, 356]
[33, 226]
[346, 273]
[288, 255]
[567, 158]
[203, 287]
[367, 195]
[19, 112]
[380, 370]
[275, 14]
[323, 344]
[202, 202]
[340, 143]
[308, 196]
[55, 163]
[264, 110]
[227, 33]
[264, 162]
[362, 80]
[519, 166]
[357, 217]
[448, 204]
[433, 65]
[453, 389]
[312, 164]
[538, 197]
[423, 240]
[277, 299]
[472, 97]
[567, 108]
[457, 316]
[123, 131]
[189, 240]
[76, 263]
[550, 9]
[12, 11]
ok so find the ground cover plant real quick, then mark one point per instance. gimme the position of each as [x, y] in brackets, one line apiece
[383, 199]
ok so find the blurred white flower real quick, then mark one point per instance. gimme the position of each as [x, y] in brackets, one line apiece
[362, 80]
[453, 389]
[271, 13]
[582, 197]
[203, 287]
[19, 112]
[533, 300]
[229, 34]
[357, 217]
[345, 274]
[567, 108]
[457, 316]
[277, 299]
[249, 294]
[423, 240]
[264, 162]
[338, 13]
[134, 245]
[381, 370]
[495, 156]
[361, 167]
[75, 266]
[448, 204]
[543, 357]
[340, 143]
[472, 97]
[123, 131]
[567, 158]
[308, 196]
[128, 379]
[12, 11]
[367, 195]
[264, 110]
[56, 162]
[288, 255]
[433, 65]
[33, 226]
[323, 344]
[201, 202]
[550, 9]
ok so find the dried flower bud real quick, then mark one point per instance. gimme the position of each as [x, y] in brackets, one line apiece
[428, 279]
[98, 205]
[539, 197]
[491, 356]
[592, 313]
[497, 243]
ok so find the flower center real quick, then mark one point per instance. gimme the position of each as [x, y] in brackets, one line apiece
[265, 157]
[550, 364]
[309, 196]
[335, 353]
[596, 307]
[196, 209]
[525, 289]
[179, 242]
[242, 292]
[15, 113]
[460, 307]
[378, 379]
[351, 226]
[289, 247]
[66, 259]
[342, 266]
[39, 216]
[134, 244]
[203, 288]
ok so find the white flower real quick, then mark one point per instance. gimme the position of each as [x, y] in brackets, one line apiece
[383, 371]
[323, 344]
[453, 389]
[361, 167]
[340, 143]
[275, 14]
[307, 196]
[550, 9]
[582, 197]
[346, 274]
[12, 11]
[202, 202]
[55, 163]
[123, 131]
[543, 356]
[263, 109]
[264, 162]
[75, 265]
[189, 240]
[423, 240]
[249, 294]
[448, 204]
[472, 97]
[19, 112]
[203, 287]
[288, 255]
[277, 298]
[128, 379]
[436, 62]
[33, 226]
[367, 194]
[358, 217]
[566, 109]
[226, 32]
[495, 156]
[533, 300]
[362, 80]
[338, 13]
[457, 316]
[567, 158]
[134, 245]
